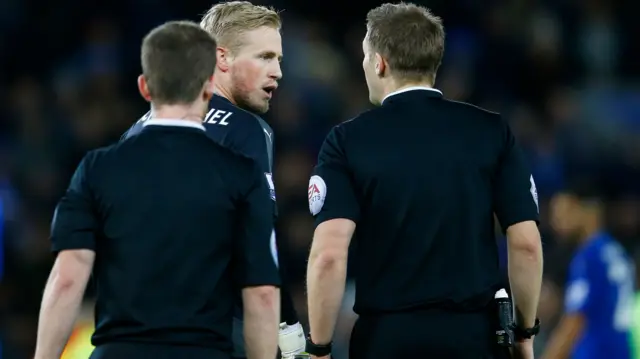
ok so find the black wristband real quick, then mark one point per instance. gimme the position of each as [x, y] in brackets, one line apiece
[526, 333]
[318, 350]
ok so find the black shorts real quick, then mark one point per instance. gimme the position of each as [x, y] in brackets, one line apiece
[156, 351]
[424, 334]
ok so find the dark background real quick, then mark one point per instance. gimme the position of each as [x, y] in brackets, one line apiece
[565, 73]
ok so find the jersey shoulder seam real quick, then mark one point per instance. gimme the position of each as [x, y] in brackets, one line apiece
[470, 105]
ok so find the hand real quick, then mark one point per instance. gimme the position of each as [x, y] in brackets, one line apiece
[522, 349]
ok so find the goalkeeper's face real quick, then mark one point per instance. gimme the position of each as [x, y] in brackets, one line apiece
[255, 69]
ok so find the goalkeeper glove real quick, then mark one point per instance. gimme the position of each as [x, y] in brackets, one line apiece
[291, 341]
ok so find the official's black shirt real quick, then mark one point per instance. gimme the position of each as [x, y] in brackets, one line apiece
[248, 134]
[422, 177]
[176, 221]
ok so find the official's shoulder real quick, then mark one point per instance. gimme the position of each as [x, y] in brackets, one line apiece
[351, 127]
[465, 106]
[364, 116]
[99, 155]
[357, 121]
[473, 118]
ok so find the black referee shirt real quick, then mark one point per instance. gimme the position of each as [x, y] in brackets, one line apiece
[422, 176]
[178, 224]
[250, 135]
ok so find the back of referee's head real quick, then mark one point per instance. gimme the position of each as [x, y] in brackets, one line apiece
[404, 44]
[178, 60]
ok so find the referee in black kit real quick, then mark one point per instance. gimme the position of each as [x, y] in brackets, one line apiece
[169, 223]
[416, 181]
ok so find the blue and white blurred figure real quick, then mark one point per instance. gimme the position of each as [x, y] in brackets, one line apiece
[599, 295]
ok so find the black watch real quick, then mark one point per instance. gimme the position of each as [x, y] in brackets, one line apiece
[527, 333]
[318, 350]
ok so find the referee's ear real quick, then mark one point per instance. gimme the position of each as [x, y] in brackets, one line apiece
[380, 65]
[144, 88]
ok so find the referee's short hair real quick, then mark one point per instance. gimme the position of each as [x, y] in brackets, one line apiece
[409, 37]
[177, 58]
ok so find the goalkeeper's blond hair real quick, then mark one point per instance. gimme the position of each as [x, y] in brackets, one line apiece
[228, 21]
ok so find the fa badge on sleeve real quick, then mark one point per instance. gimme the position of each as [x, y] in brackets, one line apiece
[317, 193]
[534, 192]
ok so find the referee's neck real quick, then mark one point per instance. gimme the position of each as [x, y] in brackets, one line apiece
[187, 113]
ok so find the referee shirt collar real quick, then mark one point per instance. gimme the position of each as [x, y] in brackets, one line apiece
[173, 122]
[432, 91]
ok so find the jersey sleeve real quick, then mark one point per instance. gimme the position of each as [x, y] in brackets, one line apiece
[331, 190]
[74, 221]
[256, 249]
[515, 193]
[579, 289]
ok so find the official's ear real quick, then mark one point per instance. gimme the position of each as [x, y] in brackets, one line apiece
[144, 88]
[380, 65]
[223, 59]
[209, 89]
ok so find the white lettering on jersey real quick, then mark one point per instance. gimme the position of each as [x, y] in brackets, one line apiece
[317, 193]
[218, 117]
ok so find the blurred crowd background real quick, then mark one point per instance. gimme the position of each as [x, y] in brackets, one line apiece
[564, 72]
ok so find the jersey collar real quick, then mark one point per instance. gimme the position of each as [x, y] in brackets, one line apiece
[431, 91]
[215, 95]
[172, 122]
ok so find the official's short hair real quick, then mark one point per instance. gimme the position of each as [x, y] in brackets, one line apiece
[177, 59]
[409, 37]
[228, 21]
